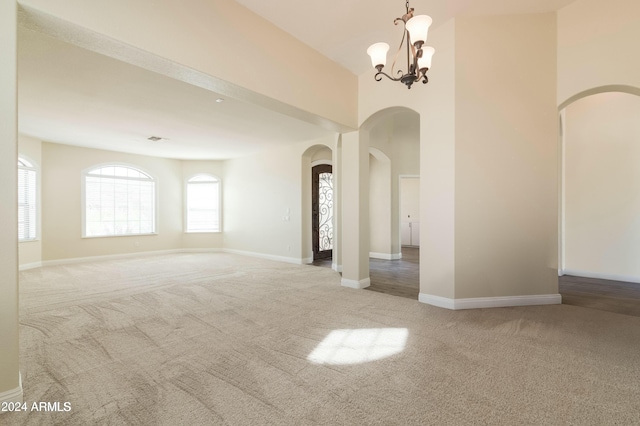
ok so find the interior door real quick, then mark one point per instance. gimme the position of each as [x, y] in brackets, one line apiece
[322, 211]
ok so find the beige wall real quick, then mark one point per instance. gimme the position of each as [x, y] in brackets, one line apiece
[259, 192]
[597, 45]
[602, 181]
[380, 224]
[62, 167]
[355, 209]
[30, 252]
[410, 199]
[506, 156]
[9, 343]
[315, 89]
[322, 154]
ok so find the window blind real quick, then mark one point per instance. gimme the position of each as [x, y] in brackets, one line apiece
[203, 204]
[26, 202]
[119, 201]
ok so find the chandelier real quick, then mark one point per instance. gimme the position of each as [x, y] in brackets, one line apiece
[418, 55]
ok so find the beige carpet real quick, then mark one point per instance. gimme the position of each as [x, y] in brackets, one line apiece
[208, 339]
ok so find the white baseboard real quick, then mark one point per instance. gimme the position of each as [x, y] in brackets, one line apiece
[356, 284]
[336, 267]
[490, 302]
[200, 250]
[107, 257]
[307, 260]
[28, 266]
[13, 395]
[385, 256]
[296, 260]
[602, 276]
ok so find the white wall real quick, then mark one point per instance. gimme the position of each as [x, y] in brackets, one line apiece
[30, 252]
[602, 180]
[597, 46]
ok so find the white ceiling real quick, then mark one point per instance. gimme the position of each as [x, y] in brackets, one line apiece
[70, 95]
[74, 96]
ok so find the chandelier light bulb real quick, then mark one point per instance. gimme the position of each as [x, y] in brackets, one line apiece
[427, 55]
[418, 28]
[378, 53]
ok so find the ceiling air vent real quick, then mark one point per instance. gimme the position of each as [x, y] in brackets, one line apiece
[154, 138]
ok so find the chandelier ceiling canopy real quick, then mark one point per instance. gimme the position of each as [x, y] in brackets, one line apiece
[419, 56]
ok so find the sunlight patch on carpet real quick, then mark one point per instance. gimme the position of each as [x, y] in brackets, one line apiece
[345, 347]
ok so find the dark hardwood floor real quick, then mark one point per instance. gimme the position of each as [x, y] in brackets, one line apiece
[605, 295]
[401, 278]
[397, 277]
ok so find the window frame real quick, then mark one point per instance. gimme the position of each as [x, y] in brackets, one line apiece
[33, 166]
[83, 199]
[186, 203]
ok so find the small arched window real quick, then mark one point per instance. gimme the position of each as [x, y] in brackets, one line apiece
[203, 204]
[118, 200]
[27, 199]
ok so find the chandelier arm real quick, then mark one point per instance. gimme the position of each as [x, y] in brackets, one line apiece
[423, 76]
[415, 54]
[379, 74]
[409, 51]
[404, 34]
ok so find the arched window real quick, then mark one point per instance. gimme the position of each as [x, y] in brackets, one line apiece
[203, 204]
[27, 199]
[118, 200]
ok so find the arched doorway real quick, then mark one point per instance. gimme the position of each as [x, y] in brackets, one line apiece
[599, 231]
[394, 147]
[320, 205]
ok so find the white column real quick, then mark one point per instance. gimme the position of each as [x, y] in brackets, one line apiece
[355, 211]
[10, 386]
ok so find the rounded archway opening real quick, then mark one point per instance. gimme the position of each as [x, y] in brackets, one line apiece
[600, 177]
[393, 137]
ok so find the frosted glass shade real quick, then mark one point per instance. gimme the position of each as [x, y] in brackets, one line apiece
[418, 28]
[378, 53]
[427, 55]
